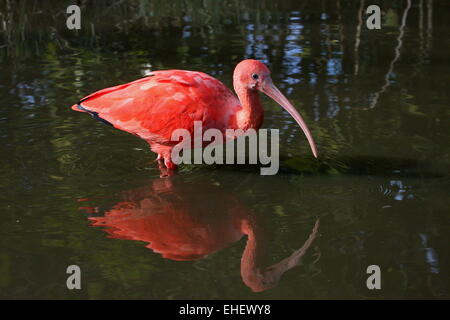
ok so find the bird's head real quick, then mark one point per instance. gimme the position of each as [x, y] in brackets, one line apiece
[254, 75]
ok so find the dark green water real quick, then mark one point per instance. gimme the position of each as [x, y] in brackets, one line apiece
[376, 101]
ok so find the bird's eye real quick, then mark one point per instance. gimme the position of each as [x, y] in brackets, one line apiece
[255, 76]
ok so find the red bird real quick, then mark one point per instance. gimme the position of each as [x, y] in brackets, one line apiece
[154, 106]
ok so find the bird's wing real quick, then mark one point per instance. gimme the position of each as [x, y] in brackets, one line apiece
[153, 107]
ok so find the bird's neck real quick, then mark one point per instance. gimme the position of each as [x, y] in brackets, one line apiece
[252, 257]
[251, 113]
[253, 272]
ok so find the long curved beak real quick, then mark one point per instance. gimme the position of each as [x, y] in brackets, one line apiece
[269, 88]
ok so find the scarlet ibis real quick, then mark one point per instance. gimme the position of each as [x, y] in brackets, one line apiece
[154, 106]
[178, 222]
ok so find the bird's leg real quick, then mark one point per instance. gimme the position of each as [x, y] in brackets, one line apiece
[164, 155]
[164, 170]
[169, 164]
[158, 159]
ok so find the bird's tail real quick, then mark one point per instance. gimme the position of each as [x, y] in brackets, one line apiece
[79, 107]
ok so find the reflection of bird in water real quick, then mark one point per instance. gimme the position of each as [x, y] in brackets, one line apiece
[180, 223]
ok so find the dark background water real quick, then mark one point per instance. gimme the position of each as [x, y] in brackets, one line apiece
[376, 101]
